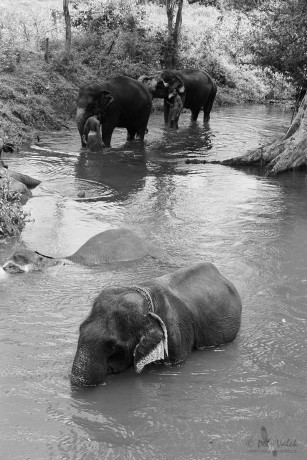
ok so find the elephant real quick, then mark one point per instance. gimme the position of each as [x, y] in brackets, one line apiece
[120, 102]
[92, 136]
[196, 88]
[156, 321]
[110, 246]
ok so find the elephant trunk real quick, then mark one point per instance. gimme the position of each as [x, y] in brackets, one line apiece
[81, 117]
[87, 370]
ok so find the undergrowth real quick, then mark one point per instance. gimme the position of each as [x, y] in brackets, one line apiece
[12, 216]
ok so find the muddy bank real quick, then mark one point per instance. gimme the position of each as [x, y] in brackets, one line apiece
[37, 96]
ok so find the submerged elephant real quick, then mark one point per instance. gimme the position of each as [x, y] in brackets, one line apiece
[162, 320]
[117, 245]
[121, 102]
[197, 90]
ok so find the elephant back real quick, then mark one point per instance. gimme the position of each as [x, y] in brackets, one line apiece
[118, 245]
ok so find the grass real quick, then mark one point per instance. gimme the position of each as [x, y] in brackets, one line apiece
[12, 216]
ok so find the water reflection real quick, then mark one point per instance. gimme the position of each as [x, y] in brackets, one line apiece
[121, 172]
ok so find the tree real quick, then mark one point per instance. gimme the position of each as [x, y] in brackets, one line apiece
[174, 21]
[67, 25]
[173, 31]
[279, 40]
[280, 43]
[287, 153]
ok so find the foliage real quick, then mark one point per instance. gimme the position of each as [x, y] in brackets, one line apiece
[12, 216]
[99, 16]
[279, 38]
[112, 38]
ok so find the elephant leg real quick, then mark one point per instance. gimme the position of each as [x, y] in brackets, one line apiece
[131, 134]
[194, 114]
[141, 133]
[166, 112]
[107, 132]
[82, 138]
[208, 106]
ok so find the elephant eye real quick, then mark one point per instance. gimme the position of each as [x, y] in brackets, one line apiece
[110, 345]
[20, 259]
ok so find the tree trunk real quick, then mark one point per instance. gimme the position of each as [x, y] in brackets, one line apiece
[173, 31]
[177, 28]
[67, 25]
[287, 153]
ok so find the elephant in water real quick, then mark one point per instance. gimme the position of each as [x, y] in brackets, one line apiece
[117, 245]
[196, 88]
[161, 320]
[92, 136]
[121, 102]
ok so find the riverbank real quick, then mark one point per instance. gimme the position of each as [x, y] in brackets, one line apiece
[112, 38]
[36, 96]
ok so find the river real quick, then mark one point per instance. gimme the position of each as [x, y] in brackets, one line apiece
[252, 227]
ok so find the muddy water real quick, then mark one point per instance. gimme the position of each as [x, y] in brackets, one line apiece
[252, 227]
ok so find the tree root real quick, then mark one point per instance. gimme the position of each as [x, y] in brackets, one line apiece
[282, 155]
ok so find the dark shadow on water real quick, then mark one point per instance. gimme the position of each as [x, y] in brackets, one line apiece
[122, 171]
[182, 142]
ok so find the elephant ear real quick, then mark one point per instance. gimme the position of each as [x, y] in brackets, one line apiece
[153, 344]
[172, 81]
[106, 99]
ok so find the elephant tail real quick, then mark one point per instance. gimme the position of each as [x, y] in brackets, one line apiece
[24, 179]
[208, 106]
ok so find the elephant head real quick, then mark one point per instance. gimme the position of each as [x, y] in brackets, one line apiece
[119, 333]
[25, 260]
[106, 99]
[162, 83]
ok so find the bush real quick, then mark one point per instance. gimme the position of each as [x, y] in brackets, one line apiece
[12, 216]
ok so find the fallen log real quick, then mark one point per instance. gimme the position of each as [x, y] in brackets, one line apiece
[287, 153]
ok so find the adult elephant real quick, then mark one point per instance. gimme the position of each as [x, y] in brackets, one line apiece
[196, 88]
[162, 320]
[120, 102]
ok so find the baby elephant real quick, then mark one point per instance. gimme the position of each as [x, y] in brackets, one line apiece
[160, 320]
[117, 245]
[92, 135]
